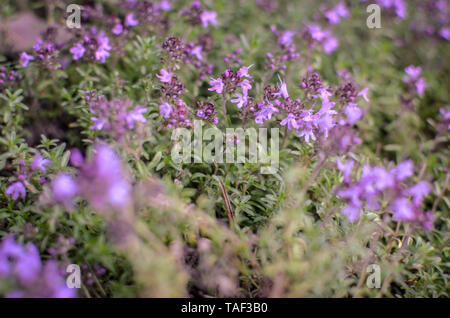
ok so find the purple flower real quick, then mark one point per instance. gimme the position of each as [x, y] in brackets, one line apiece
[243, 71]
[165, 77]
[352, 193]
[64, 188]
[265, 113]
[363, 93]
[353, 112]
[308, 133]
[352, 212]
[197, 52]
[208, 17]
[330, 44]
[334, 15]
[102, 180]
[325, 94]
[76, 157]
[419, 191]
[24, 263]
[16, 189]
[118, 193]
[25, 59]
[382, 178]
[325, 122]
[39, 163]
[290, 121]
[130, 20]
[245, 85]
[345, 168]
[240, 100]
[165, 110]
[286, 38]
[413, 72]
[404, 170]
[445, 33]
[421, 85]
[118, 28]
[103, 48]
[201, 113]
[98, 123]
[283, 90]
[316, 32]
[78, 51]
[400, 8]
[403, 210]
[137, 115]
[217, 85]
[165, 5]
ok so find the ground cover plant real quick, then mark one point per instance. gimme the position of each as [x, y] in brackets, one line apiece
[89, 108]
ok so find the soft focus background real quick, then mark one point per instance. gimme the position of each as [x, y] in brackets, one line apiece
[85, 148]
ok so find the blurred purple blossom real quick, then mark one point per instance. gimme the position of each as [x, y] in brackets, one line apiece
[16, 189]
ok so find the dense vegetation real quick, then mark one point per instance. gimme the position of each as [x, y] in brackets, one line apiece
[87, 175]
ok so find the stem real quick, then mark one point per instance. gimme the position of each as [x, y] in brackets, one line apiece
[439, 198]
[224, 108]
[313, 176]
[286, 132]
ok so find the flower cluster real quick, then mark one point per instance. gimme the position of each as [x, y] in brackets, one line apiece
[101, 181]
[176, 114]
[378, 185]
[45, 51]
[316, 35]
[412, 79]
[25, 174]
[146, 14]
[23, 266]
[397, 6]
[445, 121]
[7, 77]
[207, 111]
[339, 12]
[118, 115]
[287, 52]
[196, 15]
[94, 46]
[229, 82]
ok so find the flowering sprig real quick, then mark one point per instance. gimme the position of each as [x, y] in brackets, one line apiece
[45, 51]
[94, 46]
[412, 78]
[25, 174]
[196, 15]
[117, 116]
[101, 181]
[7, 78]
[22, 266]
[377, 184]
[287, 51]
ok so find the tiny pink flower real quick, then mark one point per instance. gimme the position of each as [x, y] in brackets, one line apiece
[217, 85]
[165, 76]
[16, 189]
[25, 59]
[130, 20]
[208, 17]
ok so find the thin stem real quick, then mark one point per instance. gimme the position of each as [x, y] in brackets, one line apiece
[224, 108]
[286, 132]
